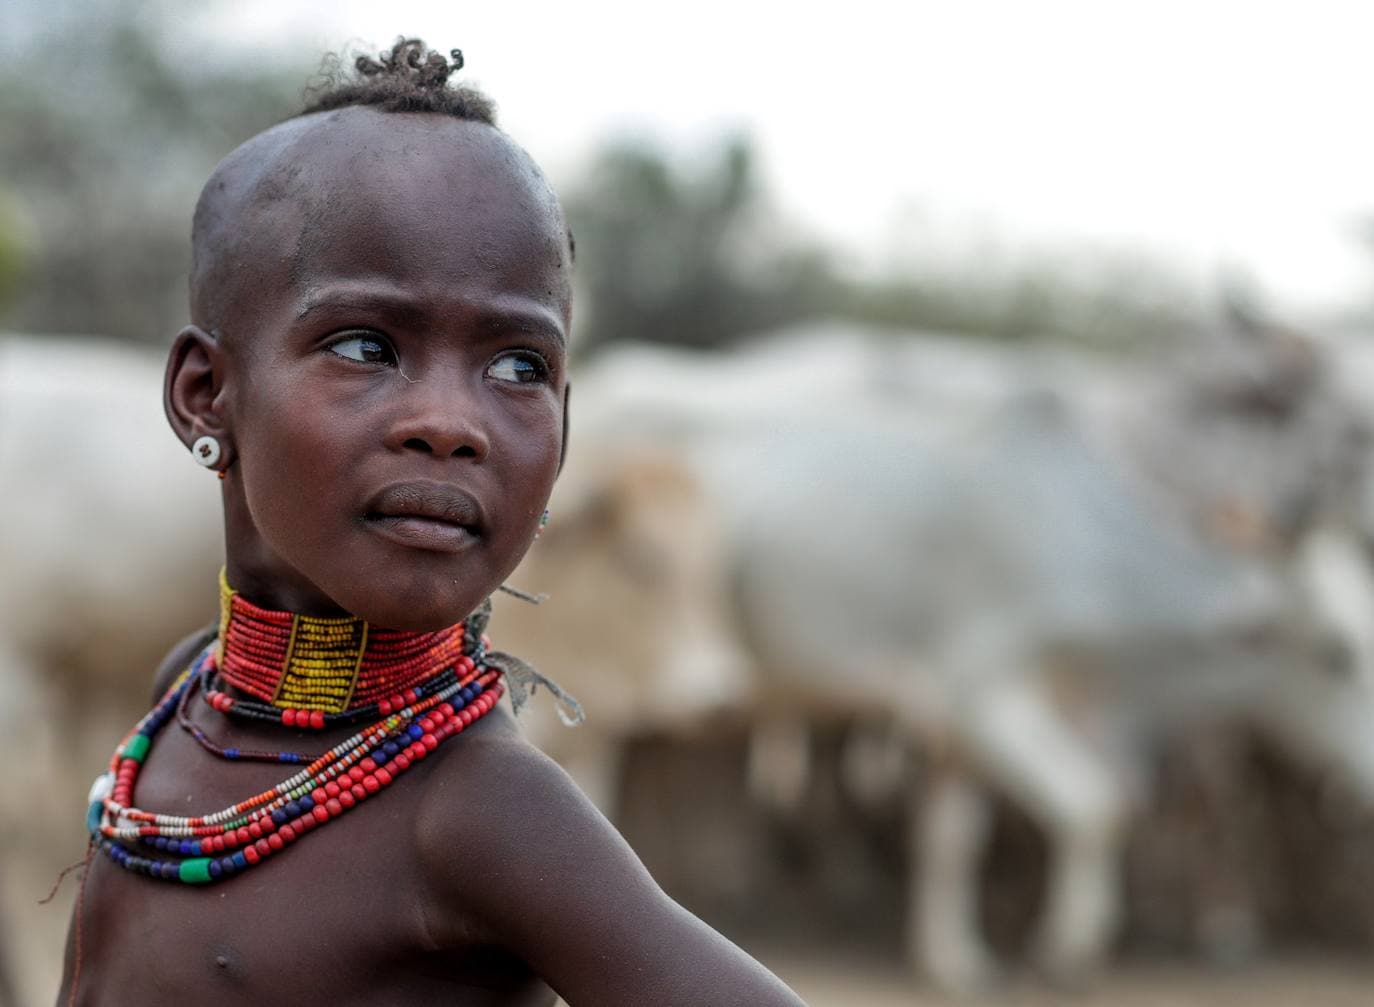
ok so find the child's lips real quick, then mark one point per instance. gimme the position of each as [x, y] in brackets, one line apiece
[422, 532]
[426, 515]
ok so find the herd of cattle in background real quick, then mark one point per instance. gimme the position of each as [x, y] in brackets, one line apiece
[950, 579]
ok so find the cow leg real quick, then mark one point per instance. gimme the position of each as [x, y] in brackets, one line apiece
[949, 826]
[1020, 742]
[24, 706]
[779, 763]
[873, 765]
[9, 995]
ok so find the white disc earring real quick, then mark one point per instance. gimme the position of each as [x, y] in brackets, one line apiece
[206, 451]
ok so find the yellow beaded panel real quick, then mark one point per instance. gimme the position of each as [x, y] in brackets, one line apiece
[322, 664]
[226, 611]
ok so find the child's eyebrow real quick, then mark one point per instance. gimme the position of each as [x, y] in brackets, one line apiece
[393, 302]
[525, 323]
[507, 313]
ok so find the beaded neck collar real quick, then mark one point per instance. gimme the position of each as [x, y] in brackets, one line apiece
[331, 665]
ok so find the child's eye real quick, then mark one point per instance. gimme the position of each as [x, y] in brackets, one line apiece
[365, 349]
[520, 368]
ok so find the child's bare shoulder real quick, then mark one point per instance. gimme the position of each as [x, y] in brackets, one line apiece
[502, 830]
[511, 844]
[496, 795]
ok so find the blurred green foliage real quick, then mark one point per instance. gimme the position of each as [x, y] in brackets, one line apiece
[108, 128]
[12, 252]
[103, 149]
[693, 255]
[1366, 230]
[684, 257]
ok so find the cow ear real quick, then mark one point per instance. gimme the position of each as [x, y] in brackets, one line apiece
[599, 513]
[192, 391]
[592, 506]
[653, 479]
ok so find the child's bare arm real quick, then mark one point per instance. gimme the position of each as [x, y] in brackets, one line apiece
[520, 847]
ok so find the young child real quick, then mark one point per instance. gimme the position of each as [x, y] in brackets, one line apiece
[319, 810]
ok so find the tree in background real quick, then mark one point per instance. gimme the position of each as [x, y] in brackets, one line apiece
[1366, 232]
[685, 257]
[695, 256]
[12, 245]
[105, 139]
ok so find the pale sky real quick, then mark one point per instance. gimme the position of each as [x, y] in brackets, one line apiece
[1206, 134]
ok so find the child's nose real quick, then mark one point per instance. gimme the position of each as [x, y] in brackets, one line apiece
[441, 422]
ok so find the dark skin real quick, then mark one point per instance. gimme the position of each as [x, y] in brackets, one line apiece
[421, 342]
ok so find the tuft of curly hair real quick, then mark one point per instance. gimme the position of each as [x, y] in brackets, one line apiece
[411, 77]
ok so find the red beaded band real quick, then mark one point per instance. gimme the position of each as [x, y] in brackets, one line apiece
[305, 663]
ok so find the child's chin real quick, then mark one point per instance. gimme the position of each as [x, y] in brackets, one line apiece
[416, 607]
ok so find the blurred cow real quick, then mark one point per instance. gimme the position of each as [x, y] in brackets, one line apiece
[1025, 564]
[635, 624]
[110, 537]
[901, 525]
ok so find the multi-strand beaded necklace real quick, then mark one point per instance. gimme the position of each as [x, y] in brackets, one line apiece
[412, 691]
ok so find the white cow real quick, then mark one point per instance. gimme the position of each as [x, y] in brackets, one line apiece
[635, 622]
[952, 553]
[110, 537]
[107, 553]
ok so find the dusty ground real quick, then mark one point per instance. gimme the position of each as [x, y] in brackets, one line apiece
[855, 983]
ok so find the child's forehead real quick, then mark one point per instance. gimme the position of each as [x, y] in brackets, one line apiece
[323, 155]
[346, 139]
[361, 184]
[433, 189]
[358, 159]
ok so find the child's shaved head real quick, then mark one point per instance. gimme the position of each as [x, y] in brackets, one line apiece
[381, 295]
[261, 201]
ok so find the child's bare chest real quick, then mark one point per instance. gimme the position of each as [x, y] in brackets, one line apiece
[341, 916]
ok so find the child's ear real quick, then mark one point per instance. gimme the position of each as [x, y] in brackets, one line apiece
[191, 391]
[563, 447]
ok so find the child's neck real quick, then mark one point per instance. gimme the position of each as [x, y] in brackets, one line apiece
[332, 665]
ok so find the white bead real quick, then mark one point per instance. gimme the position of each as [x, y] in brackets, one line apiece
[101, 788]
[206, 451]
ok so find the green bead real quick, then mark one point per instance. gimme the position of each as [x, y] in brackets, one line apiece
[137, 747]
[196, 870]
